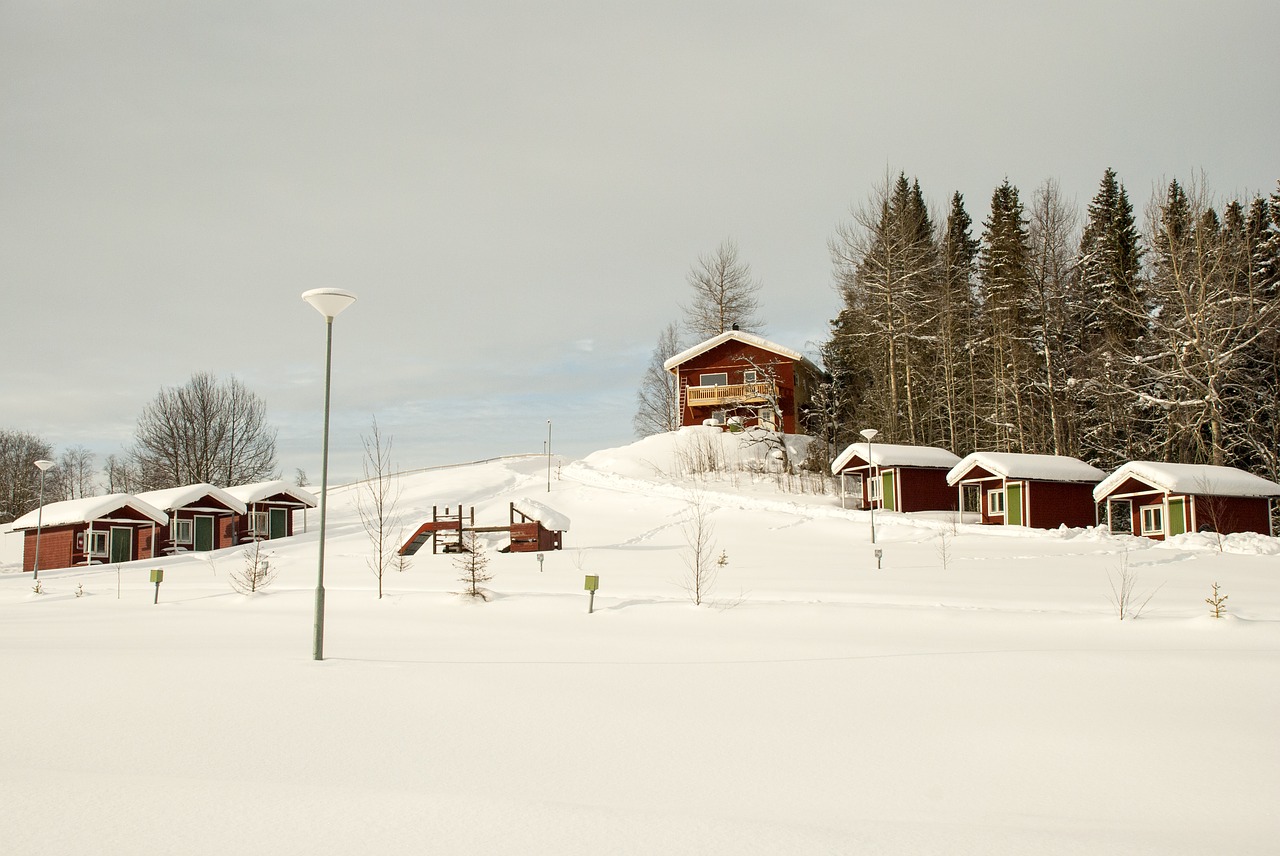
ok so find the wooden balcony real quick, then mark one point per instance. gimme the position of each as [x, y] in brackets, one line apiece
[734, 393]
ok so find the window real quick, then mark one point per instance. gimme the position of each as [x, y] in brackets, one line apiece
[260, 524]
[766, 418]
[1152, 520]
[873, 488]
[182, 531]
[717, 379]
[749, 376]
[995, 502]
[97, 543]
[970, 498]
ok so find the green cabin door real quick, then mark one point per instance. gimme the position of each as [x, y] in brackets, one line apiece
[203, 534]
[1177, 516]
[886, 492]
[121, 544]
[1013, 504]
[278, 527]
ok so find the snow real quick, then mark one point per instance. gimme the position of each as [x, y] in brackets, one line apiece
[1020, 466]
[986, 704]
[544, 514]
[84, 510]
[891, 455]
[171, 499]
[1188, 479]
[258, 491]
[736, 336]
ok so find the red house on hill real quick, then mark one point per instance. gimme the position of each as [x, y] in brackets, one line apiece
[1159, 500]
[745, 379]
[1040, 491]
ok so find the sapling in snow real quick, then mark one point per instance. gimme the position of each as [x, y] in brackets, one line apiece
[1218, 602]
[474, 565]
[257, 572]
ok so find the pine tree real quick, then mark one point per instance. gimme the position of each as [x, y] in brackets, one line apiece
[958, 254]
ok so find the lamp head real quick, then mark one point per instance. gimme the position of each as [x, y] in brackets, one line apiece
[869, 433]
[44, 465]
[329, 301]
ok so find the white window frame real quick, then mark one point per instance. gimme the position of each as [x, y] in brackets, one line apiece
[995, 502]
[750, 376]
[712, 376]
[183, 530]
[260, 524]
[874, 487]
[99, 543]
[1152, 514]
[1112, 506]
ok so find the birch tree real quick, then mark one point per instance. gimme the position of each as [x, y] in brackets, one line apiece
[724, 294]
[658, 399]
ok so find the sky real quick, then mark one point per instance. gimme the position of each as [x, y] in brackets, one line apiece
[516, 192]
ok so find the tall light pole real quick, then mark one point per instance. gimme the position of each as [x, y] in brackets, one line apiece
[870, 434]
[329, 302]
[548, 456]
[43, 465]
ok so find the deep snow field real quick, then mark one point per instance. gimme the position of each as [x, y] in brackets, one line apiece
[988, 704]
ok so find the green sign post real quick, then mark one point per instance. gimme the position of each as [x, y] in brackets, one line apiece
[157, 577]
[591, 584]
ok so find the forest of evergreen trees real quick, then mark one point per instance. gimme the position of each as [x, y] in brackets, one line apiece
[1051, 332]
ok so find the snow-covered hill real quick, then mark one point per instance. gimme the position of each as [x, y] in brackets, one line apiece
[975, 694]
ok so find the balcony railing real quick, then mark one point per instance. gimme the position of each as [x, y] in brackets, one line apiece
[702, 396]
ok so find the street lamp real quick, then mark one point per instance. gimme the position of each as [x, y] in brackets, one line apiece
[43, 465]
[870, 434]
[329, 302]
[548, 456]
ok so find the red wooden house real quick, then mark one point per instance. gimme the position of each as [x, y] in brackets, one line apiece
[113, 528]
[1040, 491]
[741, 378]
[269, 508]
[1159, 500]
[897, 478]
[201, 517]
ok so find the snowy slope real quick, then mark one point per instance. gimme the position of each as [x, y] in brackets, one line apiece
[988, 703]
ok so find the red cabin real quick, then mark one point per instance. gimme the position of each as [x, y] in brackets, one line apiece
[201, 517]
[270, 507]
[743, 379]
[1159, 500]
[1040, 491]
[114, 528]
[897, 478]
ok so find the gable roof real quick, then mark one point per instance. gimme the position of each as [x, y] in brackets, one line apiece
[72, 511]
[174, 498]
[737, 336]
[891, 455]
[1201, 479]
[1011, 465]
[258, 491]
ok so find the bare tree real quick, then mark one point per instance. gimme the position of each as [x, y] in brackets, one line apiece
[205, 431]
[658, 401]
[701, 567]
[76, 473]
[122, 475]
[256, 573]
[19, 479]
[724, 294]
[473, 562]
[376, 499]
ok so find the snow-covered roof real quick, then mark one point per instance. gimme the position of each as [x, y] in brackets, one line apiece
[737, 336]
[258, 491]
[90, 508]
[1201, 479]
[174, 498]
[891, 455]
[1011, 465]
[547, 516]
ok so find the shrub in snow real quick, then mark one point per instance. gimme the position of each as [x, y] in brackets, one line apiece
[1125, 597]
[38, 588]
[701, 566]
[256, 573]
[474, 565]
[1217, 601]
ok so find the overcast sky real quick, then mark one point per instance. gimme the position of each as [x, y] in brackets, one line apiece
[516, 191]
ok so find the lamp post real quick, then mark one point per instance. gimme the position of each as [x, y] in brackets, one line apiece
[42, 465]
[870, 434]
[548, 456]
[329, 302]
